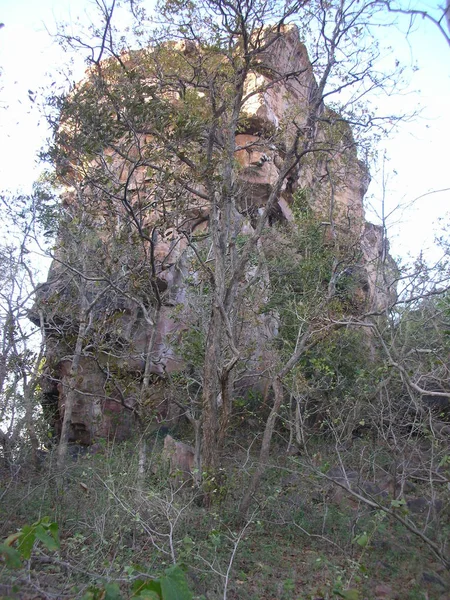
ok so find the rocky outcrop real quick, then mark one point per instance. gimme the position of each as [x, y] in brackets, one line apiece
[125, 320]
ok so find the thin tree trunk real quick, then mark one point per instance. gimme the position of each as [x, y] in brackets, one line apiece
[142, 445]
[264, 454]
[34, 442]
[210, 392]
[197, 452]
[72, 385]
[304, 343]
[142, 460]
[29, 388]
[227, 382]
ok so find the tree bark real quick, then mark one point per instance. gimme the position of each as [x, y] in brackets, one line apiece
[70, 395]
[210, 392]
[264, 454]
[142, 445]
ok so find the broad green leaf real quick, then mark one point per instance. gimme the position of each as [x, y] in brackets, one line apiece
[174, 585]
[94, 593]
[11, 556]
[54, 530]
[363, 568]
[147, 585]
[188, 541]
[112, 592]
[48, 541]
[362, 540]
[26, 541]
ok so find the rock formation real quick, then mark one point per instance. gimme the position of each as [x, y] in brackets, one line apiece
[124, 320]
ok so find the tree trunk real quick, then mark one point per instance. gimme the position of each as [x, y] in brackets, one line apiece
[264, 453]
[226, 384]
[142, 446]
[73, 376]
[31, 431]
[198, 453]
[210, 421]
[29, 389]
[142, 459]
[210, 392]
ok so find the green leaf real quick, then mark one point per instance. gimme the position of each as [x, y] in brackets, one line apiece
[109, 592]
[146, 586]
[54, 530]
[48, 541]
[398, 503]
[11, 556]
[92, 594]
[174, 585]
[112, 592]
[362, 539]
[26, 541]
[445, 461]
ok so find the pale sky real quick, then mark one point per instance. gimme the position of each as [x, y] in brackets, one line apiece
[418, 151]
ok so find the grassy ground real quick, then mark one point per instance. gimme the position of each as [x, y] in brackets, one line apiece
[303, 541]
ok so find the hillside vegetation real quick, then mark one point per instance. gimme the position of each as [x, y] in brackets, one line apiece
[226, 387]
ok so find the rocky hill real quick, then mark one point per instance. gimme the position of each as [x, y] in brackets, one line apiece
[134, 243]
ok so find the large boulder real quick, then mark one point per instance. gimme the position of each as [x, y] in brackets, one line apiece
[113, 363]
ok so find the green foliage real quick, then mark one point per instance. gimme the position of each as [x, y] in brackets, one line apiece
[110, 591]
[340, 363]
[160, 92]
[169, 108]
[117, 528]
[215, 485]
[311, 274]
[192, 346]
[362, 539]
[19, 546]
[172, 585]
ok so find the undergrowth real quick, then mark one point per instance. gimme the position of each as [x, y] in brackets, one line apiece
[305, 539]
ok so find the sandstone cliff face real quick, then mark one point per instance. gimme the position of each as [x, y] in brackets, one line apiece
[124, 328]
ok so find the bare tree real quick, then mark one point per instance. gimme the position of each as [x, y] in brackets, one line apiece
[22, 345]
[438, 16]
[154, 133]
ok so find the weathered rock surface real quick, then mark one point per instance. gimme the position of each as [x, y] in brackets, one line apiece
[112, 369]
